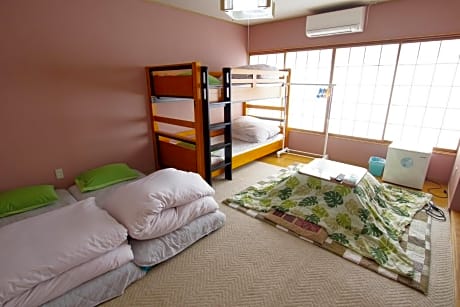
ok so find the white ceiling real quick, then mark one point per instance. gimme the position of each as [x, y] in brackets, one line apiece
[284, 9]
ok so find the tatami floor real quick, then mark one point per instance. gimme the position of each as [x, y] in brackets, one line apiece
[439, 198]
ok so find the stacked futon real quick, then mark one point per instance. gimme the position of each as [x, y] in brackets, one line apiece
[85, 245]
[164, 213]
[46, 254]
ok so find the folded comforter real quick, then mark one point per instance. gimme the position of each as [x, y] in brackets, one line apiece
[56, 286]
[160, 202]
[42, 247]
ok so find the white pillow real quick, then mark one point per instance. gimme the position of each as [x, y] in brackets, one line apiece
[259, 67]
[255, 67]
[253, 130]
[138, 204]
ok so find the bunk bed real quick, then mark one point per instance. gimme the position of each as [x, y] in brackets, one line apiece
[189, 146]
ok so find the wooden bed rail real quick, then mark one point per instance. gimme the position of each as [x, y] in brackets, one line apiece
[175, 136]
[263, 107]
[173, 121]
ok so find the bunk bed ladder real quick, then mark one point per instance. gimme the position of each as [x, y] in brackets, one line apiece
[228, 122]
[226, 145]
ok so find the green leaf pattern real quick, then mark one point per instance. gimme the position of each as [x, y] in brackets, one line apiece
[368, 219]
[285, 193]
[309, 201]
[339, 237]
[342, 189]
[320, 211]
[333, 199]
[292, 182]
[343, 220]
[314, 183]
[312, 218]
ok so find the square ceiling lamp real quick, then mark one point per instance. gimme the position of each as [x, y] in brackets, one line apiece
[248, 9]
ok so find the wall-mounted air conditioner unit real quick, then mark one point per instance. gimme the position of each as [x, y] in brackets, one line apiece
[338, 22]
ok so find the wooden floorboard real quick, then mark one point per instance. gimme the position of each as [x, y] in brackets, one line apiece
[455, 230]
[439, 198]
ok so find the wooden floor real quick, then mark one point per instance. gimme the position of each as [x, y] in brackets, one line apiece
[439, 198]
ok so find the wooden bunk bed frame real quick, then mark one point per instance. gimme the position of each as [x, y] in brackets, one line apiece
[191, 149]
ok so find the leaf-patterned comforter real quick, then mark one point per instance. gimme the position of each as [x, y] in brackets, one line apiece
[369, 218]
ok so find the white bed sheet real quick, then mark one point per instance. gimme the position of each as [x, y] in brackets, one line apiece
[239, 147]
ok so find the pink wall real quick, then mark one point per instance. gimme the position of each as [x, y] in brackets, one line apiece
[358, 152]
[399, 19]
[73, 90]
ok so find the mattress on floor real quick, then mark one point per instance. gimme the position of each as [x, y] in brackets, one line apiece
[101, 282]
[72, 278]
[151, 252]
[64, 199]
[47, 246]
[99, 194]
[101, 288]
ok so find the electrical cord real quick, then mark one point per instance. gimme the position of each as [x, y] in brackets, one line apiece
[439, 187]
[434, 212]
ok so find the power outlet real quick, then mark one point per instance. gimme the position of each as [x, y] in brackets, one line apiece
[59, 172]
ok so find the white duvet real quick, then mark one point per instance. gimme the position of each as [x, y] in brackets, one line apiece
[54, 287]
[42, 247]
[160, 202]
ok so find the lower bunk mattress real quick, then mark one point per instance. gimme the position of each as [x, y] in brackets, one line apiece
[240, 147]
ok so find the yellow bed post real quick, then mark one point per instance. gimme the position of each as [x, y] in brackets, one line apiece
[198, 101]
[152, 111]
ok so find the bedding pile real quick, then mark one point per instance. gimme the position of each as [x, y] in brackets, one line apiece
[164, 212]
[85, 245]
[369, 219]
[70, 245]
[160, 203]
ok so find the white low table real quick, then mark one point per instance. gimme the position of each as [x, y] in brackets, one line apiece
[330, 170]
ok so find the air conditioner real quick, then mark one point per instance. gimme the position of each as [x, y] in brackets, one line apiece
[335, 23]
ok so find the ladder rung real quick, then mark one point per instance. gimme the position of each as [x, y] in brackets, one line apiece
[219, 104]
[217, 126]
[219, 146]
[221, 165]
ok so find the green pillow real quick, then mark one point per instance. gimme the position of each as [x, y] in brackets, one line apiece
[26, 198]
[104, 176]
[211, 79]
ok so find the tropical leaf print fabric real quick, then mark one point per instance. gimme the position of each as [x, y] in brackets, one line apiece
[369, 218]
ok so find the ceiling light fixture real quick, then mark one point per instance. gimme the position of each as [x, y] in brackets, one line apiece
[248, 9]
